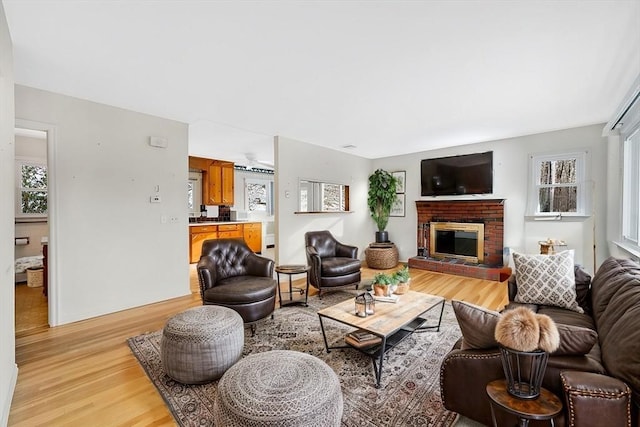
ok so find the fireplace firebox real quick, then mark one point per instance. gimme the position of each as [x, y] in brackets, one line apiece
[457, 240]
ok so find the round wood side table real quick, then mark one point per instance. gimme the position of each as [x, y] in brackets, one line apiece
[544, 407]
[290, 270]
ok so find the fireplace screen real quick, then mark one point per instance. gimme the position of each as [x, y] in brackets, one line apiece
[457, 240]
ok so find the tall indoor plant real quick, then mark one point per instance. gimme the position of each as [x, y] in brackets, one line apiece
[382, 194]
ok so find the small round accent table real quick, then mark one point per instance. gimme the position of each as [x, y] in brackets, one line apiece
[290, 270]
[544, 407]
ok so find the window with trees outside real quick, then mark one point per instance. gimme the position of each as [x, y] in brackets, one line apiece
[558, 184]
[32, 182]
[631, 189]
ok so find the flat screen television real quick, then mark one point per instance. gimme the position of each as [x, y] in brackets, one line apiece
[455, 175]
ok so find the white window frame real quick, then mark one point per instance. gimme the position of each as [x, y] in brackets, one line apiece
[30, 161]
[631, 189]
[582, 178]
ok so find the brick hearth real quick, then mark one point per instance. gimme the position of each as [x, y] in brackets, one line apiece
[490, 212]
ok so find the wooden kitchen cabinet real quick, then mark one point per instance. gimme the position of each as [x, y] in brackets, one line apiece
[217, 180]
[230, 231]
[253, 236]
[197, 235]
[250, 232]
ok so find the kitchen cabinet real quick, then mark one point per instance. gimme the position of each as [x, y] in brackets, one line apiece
[217, 180]
[250, 232]
[253, 235]
[230, 231]
[197, 235]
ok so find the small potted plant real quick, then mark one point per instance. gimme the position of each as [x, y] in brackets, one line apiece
[402, 277]
[382, 284]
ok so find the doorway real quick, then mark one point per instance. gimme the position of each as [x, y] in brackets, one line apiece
[31, 229]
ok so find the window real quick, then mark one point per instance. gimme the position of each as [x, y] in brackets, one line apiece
[631, 188]
[31, 195]
[259, 196]
[558, 184]
[323, 197]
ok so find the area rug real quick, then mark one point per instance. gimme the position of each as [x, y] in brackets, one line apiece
[410, 388]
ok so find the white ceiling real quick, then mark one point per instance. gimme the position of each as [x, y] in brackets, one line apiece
[390, 77]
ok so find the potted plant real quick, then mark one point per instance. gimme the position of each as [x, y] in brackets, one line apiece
[382, 194]
[402, 276]
[382, 284]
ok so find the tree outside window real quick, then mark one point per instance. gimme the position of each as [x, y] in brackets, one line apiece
[558, 184]
[32, 192]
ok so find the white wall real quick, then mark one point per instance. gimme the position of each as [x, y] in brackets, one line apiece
[298, 160]
[8, 368]
[511, 167]
[109, 249]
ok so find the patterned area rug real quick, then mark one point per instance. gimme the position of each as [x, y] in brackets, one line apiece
[410, 388]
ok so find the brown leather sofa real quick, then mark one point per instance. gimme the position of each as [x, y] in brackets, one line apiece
[231, 275]
[601, 388]
[332, 264]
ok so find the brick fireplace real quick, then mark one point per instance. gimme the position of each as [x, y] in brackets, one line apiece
[488, 212]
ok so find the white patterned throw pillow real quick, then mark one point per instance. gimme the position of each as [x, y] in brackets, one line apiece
[546, 280]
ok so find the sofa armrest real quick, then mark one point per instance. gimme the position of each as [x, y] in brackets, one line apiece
[346, 251]
[315, 264]
[259, 266]
[595, 399]
[464, 375]
[206, 274]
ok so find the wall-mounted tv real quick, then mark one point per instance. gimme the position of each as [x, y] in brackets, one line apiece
[455, 175]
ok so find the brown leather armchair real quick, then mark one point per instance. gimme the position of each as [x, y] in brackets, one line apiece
[231, 275]
[332, 264]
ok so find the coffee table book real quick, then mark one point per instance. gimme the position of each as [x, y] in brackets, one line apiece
[362, 339]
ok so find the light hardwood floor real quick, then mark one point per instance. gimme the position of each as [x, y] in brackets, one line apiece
[84, 374]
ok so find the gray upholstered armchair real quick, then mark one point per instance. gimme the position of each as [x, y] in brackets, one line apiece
[332, 264]
[231, 275]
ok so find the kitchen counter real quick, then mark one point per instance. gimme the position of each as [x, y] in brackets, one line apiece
[192, 224]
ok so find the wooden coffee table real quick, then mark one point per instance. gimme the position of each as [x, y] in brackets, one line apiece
[392, 322]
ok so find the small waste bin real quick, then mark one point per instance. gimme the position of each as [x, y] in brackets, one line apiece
[34, 276]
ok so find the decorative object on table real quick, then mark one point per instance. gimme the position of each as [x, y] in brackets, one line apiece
[525, 339]
[402, 277]
[365, 304]
[552, 246]
[361, 338]
[382, 284]
[381, 256]
[381, 196]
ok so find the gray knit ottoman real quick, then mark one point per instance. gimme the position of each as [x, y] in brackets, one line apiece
[200, 344]
[278, 388]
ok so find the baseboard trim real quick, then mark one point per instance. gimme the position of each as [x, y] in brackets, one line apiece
[6, 407]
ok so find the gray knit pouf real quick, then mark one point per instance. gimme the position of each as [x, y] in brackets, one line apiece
[279, 388]
[200, 344]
